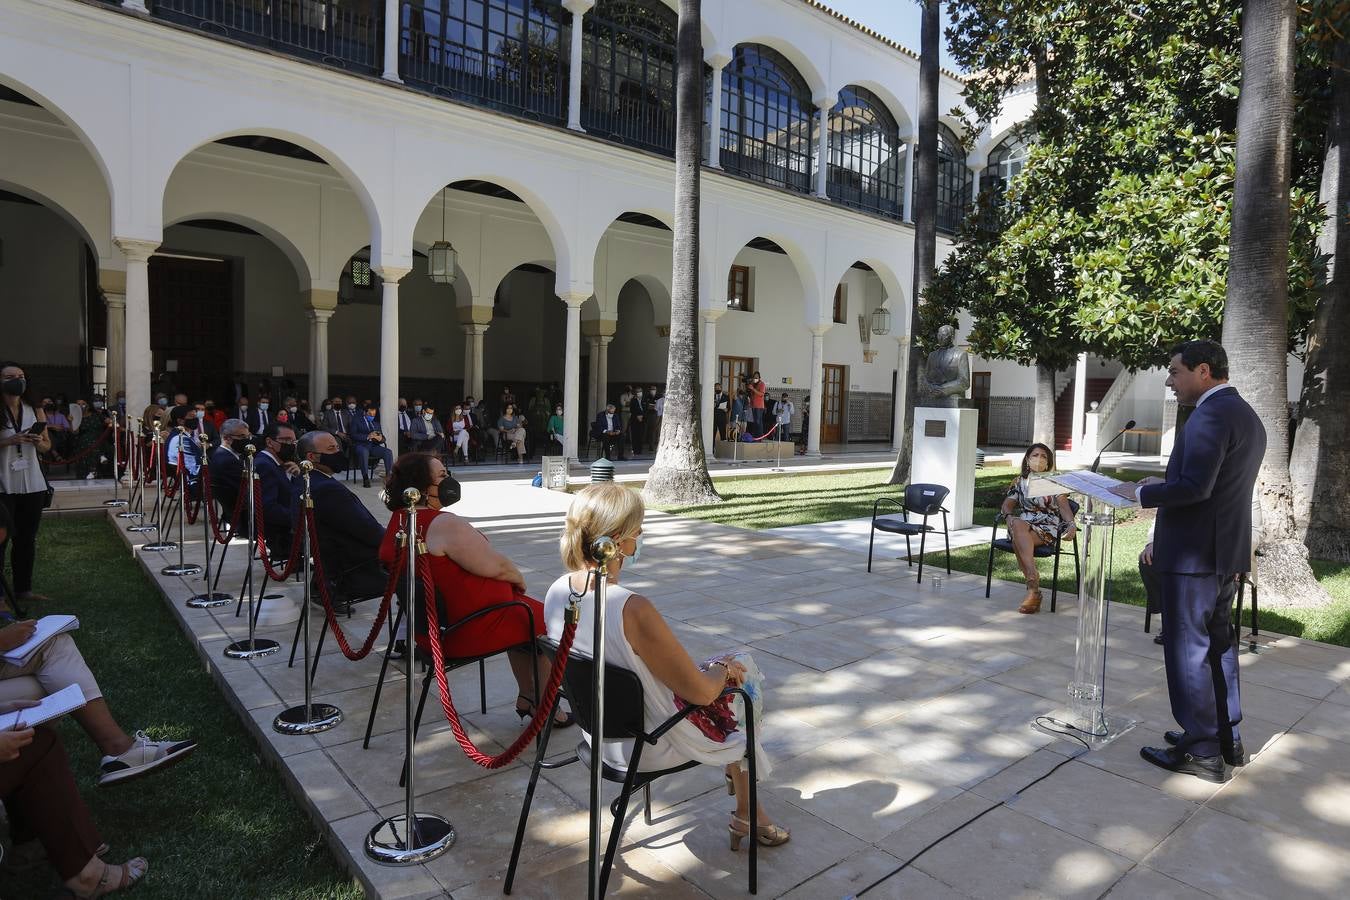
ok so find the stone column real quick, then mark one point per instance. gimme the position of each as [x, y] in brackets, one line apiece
[136, 352]
[708, 376]
[390, 275]
[393, 28]
[473, 359]
[817, 388]
[578, 9]
[318, 356]
[824, 105]
[593, 407]
[602, 384]
[718, 61]
[909, 180]
[1080, 378]
[135, 6]
[113, 285]
[572, 372]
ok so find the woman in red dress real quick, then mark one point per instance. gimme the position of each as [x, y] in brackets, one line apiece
[469, 575]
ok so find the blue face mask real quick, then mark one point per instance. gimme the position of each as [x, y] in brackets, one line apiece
[637, 550]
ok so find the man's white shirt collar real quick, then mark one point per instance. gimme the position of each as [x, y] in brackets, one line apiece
[1214, 390]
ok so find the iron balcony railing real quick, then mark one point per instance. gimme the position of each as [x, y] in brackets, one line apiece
[343, 33]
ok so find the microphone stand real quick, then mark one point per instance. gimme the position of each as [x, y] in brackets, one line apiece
[1098, 461]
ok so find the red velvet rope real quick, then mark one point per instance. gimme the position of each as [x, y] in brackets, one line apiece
[542, 711]
[292, 557]
[71, 460]
[216, 534]
[330, 615]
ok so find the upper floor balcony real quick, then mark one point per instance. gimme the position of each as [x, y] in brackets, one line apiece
[608, 67]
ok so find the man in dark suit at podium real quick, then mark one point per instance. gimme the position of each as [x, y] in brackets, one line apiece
[1202, 541]
[349, 536]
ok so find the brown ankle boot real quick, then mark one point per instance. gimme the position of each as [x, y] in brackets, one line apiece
[1031, 603]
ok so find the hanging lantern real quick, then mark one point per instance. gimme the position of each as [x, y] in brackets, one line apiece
[441, 256]
[881, 320]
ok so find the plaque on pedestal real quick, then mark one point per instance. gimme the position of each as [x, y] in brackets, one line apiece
[943, 452]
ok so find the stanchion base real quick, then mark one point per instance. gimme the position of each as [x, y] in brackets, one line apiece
[209, 601]
[387, 842]
[185, 569]
[114, 503]
[141, 529]
[301, 720]
[253, 649]
[130, 515]
[160, 546]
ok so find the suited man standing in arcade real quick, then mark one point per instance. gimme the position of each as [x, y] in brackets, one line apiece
[1202, 542]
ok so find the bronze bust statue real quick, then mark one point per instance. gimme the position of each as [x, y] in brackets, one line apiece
[944, 377]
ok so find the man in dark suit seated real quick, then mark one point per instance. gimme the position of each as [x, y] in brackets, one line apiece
[349, 536]
[275, 467]
[608, 430]
[1202, 541]
[227, 471]
[368, 441]
[427, 435]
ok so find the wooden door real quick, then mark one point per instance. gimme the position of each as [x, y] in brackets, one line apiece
[832, 396]
[980, 392]
[733, 372]
[192, 323]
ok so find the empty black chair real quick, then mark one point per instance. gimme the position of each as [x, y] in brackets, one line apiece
[922, 500]
[1043, 551]
[623, 720]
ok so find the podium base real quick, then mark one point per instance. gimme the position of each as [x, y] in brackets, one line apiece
[1062, 723]
[313, 719]
[388, 841]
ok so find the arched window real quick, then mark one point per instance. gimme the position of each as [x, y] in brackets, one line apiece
[867, 157]
[1005, 162]
[767, 119]
[954, 181]
[506, 54]
[628, 73]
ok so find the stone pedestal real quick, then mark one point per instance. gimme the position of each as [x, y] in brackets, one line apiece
[944, 453]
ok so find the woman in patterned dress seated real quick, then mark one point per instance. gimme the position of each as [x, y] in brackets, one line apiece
[1035, 521]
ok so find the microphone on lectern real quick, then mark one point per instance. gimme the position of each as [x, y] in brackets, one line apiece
[1098, 461]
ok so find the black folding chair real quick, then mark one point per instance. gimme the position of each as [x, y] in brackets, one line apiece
[623, 720]
[1043, 551]
[922, 500]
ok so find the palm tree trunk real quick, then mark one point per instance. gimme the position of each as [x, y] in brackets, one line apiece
[925, 221]
[1320, 465]
[1255, 326]
[1043, 427]
[679, 474]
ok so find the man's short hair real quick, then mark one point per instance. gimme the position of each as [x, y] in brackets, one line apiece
[1193, 353]
[309, 439]
[274, 427]
[230, 425]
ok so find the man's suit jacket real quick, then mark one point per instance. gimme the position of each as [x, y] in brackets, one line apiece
[227, 472]
[637, 407]
[423, 430]
[606, 422]
[1205, 506]
[252, 417]
[349, 536]
[336, 421]
[360, 431]
[275, 487]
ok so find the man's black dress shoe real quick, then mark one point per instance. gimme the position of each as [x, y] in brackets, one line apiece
[1234, 754]
[1210, 768]
[1158, 640]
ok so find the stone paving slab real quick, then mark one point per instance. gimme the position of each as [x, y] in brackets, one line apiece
[896, 712]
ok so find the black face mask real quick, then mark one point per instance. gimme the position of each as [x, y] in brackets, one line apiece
[448, 491]
[240, 445]
[14, 386]
[286, 452]
[334, 462]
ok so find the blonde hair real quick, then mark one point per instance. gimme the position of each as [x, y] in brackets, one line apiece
[597, 510]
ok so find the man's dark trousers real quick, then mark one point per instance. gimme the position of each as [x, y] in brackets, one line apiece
[1201, 657]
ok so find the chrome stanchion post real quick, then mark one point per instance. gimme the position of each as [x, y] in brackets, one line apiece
[253, 647]
[183, 568]
[311, 718]
[603, 550]
[208, 598]
[117, 479]
[411, 837]
[138, 455]
[163, 503]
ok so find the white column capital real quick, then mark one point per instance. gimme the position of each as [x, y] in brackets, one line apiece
[717, 60]
[391, 274]
[578, 7]
[474, 328]
[136, 6]
[820, 328]
[825, 103]
[136, 249]
[575, 298]
[712, 313]
[114, 300]
[320, 316]
[605, 339]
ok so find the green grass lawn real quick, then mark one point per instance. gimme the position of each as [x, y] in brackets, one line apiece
[768, 501]
[219, 824]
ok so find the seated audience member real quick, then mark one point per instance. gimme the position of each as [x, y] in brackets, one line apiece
[461, 431]
[215, 415]
[1035, 521]
[301, 418]
[427, 434]
[183, 417]
[368, 441]
[58, 427]
[608, 430]
[555, 427]
[58, 665]
[639, 639]
[469, 575]
[511, 425]
[207, 429]
[39, 790]
[93, 423]
[227, 471]
[349, 536]
[405, 423]
[276, 466]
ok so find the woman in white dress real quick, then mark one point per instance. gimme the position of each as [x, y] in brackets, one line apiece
[637, 638]
[459, 434]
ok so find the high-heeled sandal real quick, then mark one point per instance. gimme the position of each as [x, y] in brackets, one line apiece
[129, 873]
[528, 712]
[1031, 604]
[768, 835]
